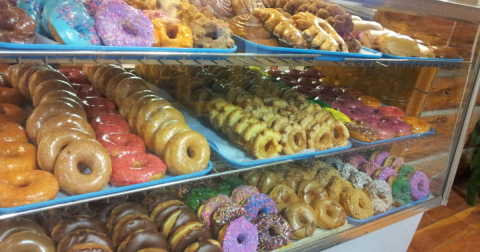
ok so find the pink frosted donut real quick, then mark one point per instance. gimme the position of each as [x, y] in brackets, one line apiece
[96, 106]
[354, 105]
[370, 167]
[122, 143]
[392, 111]
[384, 133]
[211, 205]
[400, 127]
[109, 123]
[345, 97]
[243, 192]
[353, 114]
[372, 112]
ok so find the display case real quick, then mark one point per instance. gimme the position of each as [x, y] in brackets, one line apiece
[441, 91]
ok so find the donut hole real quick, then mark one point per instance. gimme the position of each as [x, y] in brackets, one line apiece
[84, 168]
[127, 27]
[269, 147]
[298, 139]
[171, 31]
[274, 230]
[190, 152]
[240, 239]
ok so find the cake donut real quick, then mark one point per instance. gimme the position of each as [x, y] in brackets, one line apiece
[259, 204]
[122, 143]
[338, 187]
[401, 190]
[207, 209]
[357, 204]
[37, 242]
[41, 186]
[70, 24]
[90, 153]
[64, 121]
[326, 175]
[273, 231]
[283, 196]
[380, 194]
[10, 95]
[111, 20]
[187, 152]
[329, 213]
[204, 245]
[301, 218]
[359, 180]
[239, 235]
[171, 33]
[419, 185]
[188, 234]
[129, 169]
[12, 113]
[12, 132]
[240, 193]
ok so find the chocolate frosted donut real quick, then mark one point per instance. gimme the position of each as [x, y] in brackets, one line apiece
[142, 239]
[71, 224]
[124, 210]
[177, 219]
[84, 236]
[89, 247]
[27, 241]
[204, 245]
[50, 218]
[130, 224]
[103, 208]
[11, 226]
[188, 234]
[161, 212]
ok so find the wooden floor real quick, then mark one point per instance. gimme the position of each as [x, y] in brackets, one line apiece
[451, 228]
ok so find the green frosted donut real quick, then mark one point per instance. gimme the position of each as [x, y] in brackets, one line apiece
[195, 197]
[401, 190]
[404, 169]
[226, 186]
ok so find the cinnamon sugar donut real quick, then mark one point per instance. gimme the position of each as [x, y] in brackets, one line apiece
[64, 121]
[12, 132]
[338, 187]
[165, 133]
[47, 86]
[187, 152]
[12, 113]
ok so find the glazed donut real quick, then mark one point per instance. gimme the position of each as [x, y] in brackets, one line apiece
[105, 78]
[129, 169]
[187, 152]
[357, 204]
[90, 153]
[188, 234]
[99, 73]
[380, 194]
[142, 239]
[64, 121]
[36, 242]
[12, 132]
[87, 247]
[15, 225]
[44, 75]
[123, 210]
[95, 106]
[301, 218]
[77, 222]
[53, 143]
[10, 95]
[340, 134]
[163, 115]
[329, 213]
[309, 191]
[127, 104]
[127, 87]
[78, 107]
[418, 125]
[12, 113]
[58, 94]
[320, 137]
[129, 224]
[74, 76]
[17, 156]
[296, 175]
[85, 90]
[112, 85]
[122, 143]
[147, 111]
[22, 87]
[134, 110]
[89, 70]
[338, 187]
[370, 101]
[84, 236]
[17, 72]
[269, 180]
[201, 245]
[26, 187]
[238, 235]
[47, 86]
[46, 111]
[283, 196]
[273, 231]
[171, 33]
[165, 133]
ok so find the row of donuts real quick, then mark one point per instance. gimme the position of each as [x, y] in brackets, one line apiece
[152, 118]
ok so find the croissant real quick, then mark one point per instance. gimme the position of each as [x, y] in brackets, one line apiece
[281, 26]
[319, 32]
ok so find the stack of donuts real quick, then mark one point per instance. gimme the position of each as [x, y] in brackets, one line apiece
[152, 118]
[20, 181]
[58, 126]
[23, 234]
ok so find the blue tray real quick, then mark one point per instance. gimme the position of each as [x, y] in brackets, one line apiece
[394, 210]
[63, 198]
[386, 55]
[250, 47]
[357, 143]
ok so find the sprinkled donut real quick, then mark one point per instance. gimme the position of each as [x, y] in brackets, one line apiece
[211, 206]
[241, 193]
[370, 167]
[273, 231]
[34, 10]
[401, 190]
[379, 156]
[380, 194]
[258, 204]
[241, 235]
[419, 185]
[71, 24]
[324, 176]
[404, 169]
[224, 215]
[49, 6]
[334, 162]
[393, 161]
[119, 24]
[359, 180]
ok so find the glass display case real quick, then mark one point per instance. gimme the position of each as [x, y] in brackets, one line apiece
[212, 90]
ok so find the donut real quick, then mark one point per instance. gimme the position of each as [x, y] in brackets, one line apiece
[122, 210]
[301, 218]
[404, 169]
[12, 113]
[87, 247]
[70, 224]
[122, 143]
[400, 127]
[85, 90]
[240, 193]
[64, 121]
[187, 152]
[16, 73]
[170, 33]
[78, 107]
[370, 101]
[308, 191]
[338, 187]
[258, 204]
[129, 224]
[383, 173]
[392, 111]
[251, 177]
[393, 161]
[359, 180]
[176, 219]
[163, 210]
[370, 167]
[10, 95]
[15, 225]
[418, 125]
[419, 185]
[224, 215]
[129, 169]
[384, 133]
[52, 143]
[210, 206]
[74, 75]
[324, 176]
[329, 213]
[70, 24]
[105, 78]
[58, 94]
[266, 144]
[379, 156]
[43, 113]
[269, 180]
[204, 245]
[23, 84]
[89, 70]
[133, 115]
[346, 170]
[95, 106]
[12, 132]
[127, 87]
[239, 235]
[273, 231]
[357, 204]
[334, 162]
[392, 179]
[84, 236]
[40, 186]
[295, 176]
[188, 234]
[227, 185]
[283, 196]
[37, 242]
[112, 17]
[44, 75]
[108, 124]
[380, 194]
[147, 111]
[51, 217]
[47, 86]
[153, 198]
[90, 153]
[128, 103]
[112, 85]
[102, 208]
[364, 133]
[99, 73]
[195, 197]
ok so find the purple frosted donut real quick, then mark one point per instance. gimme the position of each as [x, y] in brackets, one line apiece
[259, 204]
[119, 24]
[211, 205]
[419, 184]
[356, 160]
[384, 173]
[273, 231]
[370, 167]
[241, 193]
[239, 236]
[379, 156]
[393, 161]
